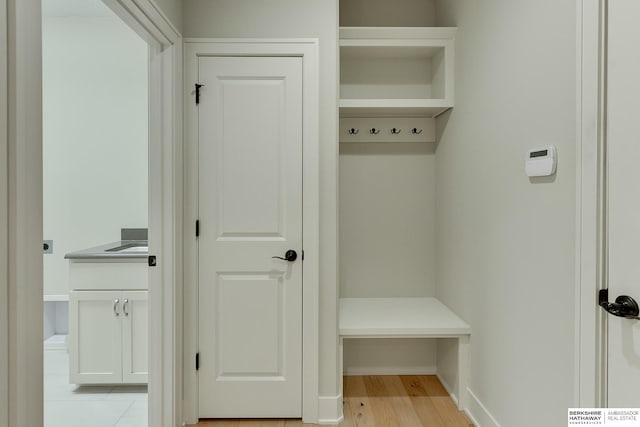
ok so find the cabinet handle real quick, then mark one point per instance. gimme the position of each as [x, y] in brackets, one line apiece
[125, 307]
[116, 302]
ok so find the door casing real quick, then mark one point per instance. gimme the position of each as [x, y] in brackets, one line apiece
[307, 49]
[590, 336]
[4, 222]
[23, 208]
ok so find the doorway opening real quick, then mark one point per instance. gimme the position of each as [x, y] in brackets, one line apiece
[95, 222]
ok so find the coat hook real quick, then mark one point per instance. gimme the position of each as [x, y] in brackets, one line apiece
[374, 131]
[396, 131]
[354, 131]
[416, 131]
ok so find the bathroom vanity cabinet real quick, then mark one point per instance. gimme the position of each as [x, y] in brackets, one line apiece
[108, 321]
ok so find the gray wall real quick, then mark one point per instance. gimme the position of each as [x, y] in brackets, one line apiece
[173, 10]
[505, 244]
[385, 13]
[295, 19]
[387, 219]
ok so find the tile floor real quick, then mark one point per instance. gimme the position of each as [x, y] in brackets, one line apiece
[69, 405]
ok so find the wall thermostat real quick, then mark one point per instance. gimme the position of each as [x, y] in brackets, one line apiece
[541, 161]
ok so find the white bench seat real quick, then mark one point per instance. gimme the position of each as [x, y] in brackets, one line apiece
[399, 317]
[406, 318]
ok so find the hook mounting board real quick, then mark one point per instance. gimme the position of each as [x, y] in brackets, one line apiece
[387, 129]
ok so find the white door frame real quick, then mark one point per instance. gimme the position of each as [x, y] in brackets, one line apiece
[308, 50]
[590, 336]
[23, 208]
[24, 213]
[4, 230]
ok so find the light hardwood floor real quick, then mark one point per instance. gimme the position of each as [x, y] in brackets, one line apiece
[382, 401]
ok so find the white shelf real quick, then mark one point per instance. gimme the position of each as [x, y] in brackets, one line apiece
[398, 317]
[393, 107]
[396, 72]
[398, 35]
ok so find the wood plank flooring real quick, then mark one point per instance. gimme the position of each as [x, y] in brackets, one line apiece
[382, 401]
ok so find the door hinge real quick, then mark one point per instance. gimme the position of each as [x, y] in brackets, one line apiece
[152, 261]
[197, 361]
[198, 86]
[303, 254]
[197, 228]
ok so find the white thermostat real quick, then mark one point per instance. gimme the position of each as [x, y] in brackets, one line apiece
[541, 161]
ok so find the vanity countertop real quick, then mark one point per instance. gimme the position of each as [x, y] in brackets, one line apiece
[121, 249]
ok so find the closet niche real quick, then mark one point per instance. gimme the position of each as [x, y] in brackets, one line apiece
[396, 82]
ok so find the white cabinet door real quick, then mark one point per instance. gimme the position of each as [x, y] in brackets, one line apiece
[135, 337]
[95, 335]
[623, 153]
[250, 208]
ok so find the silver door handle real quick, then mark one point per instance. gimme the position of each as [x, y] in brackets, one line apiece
[125, 306]
[115, 307]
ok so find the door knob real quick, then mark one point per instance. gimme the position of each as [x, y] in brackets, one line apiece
[624, 306]
[290, 256]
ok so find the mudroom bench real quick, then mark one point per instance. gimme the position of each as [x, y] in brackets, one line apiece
[406, 318]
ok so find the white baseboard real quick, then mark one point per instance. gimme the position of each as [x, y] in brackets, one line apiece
[478, 413]
[390, 370]
[56, 342]
[330, 410]
[448, 388]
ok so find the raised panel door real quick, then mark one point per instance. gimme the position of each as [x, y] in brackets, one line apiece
[250, 210]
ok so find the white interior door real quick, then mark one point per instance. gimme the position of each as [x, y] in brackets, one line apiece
[623, 152]
[250, 209]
